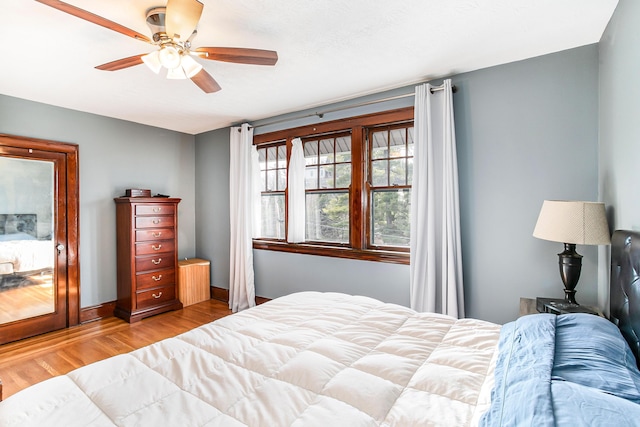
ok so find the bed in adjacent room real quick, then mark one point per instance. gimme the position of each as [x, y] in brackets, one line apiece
[320, 359]
[21, 251]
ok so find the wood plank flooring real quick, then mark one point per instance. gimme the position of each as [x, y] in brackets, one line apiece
[35, 359]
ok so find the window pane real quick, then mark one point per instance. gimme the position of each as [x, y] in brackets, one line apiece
[379, 173]
[311, 152]
[271, 180]
[397, 169]
[397, 141]
[282, 179]
[327, 217]
[326, 176]
[343, 149]
[398, 147]
[326, 150]
[273, 216]
[311, 177]
[282, 156]
[262, 158]
[343, 175]
[379, 145]
[390, 218]
[271, 157]
[409, 170]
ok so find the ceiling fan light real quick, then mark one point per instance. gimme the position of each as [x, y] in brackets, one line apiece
[190, 66]
[169, 57]
[152, 60]
[176, 73]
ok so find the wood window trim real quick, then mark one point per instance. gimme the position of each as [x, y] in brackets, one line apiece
[393, 257]
[359, 190]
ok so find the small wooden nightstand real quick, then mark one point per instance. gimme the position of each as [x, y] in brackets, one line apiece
[527, 306]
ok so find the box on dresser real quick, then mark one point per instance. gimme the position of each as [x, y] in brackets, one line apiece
[137, 192]
[147, 256]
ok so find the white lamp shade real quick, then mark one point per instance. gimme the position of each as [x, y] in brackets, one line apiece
[190, 66]
[152, 60]
[175, 74]
[169, 57]
[583, 223]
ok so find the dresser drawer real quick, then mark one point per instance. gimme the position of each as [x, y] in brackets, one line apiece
[157, 247]
[155, 221]
[151, 297]
[155, 262]
[151, 234]
[155, 279]
[155, 209]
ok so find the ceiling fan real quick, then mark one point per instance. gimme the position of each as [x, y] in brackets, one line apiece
[173, 28]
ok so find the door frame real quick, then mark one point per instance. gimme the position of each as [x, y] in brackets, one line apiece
[71, 212]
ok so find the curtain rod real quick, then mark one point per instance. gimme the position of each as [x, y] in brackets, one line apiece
[454, 89]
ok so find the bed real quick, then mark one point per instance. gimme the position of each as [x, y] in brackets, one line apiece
[21, 251]
[330, 359]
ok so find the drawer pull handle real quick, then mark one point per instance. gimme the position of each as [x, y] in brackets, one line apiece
[156, 248]
[156, 262]
[157, 209]
[157, 279]
[158, 234]
[156, 221]
[157, 296]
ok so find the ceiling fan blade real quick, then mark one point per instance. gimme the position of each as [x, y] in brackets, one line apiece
[239, 55]
[95, 19]
[181, 18]
[119, 64]
[205, 82]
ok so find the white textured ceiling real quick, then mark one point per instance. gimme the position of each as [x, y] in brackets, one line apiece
[329, 50]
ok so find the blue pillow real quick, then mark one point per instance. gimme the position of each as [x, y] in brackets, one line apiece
[16, 236]
[591, 351]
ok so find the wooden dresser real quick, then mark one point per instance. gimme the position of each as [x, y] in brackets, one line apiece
[147, 229]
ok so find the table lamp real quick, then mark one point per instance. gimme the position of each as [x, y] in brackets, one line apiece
[571, 223]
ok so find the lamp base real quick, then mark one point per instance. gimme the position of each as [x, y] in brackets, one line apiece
[570, 263]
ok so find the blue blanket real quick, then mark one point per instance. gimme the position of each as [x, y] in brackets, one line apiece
[569, 370]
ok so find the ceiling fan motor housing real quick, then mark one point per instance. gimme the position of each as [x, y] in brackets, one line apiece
[155, 21]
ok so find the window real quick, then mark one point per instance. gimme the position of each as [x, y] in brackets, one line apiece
[357, 187]
[327, 181]
[391, 166]
[273, 182]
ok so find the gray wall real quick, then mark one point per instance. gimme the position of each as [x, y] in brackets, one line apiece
[620, 124]
[212, 203]
[114, 155]
[527, 131]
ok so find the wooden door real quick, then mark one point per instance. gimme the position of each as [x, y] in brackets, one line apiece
[39, 289]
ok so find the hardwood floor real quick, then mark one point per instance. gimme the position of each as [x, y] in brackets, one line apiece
[28, 301]
[35, 359]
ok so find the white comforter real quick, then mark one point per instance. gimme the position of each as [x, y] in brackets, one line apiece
[26, 255]
[307, 359]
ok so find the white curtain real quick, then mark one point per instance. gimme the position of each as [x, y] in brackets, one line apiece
[296, 196]
[436, 258]
[244, 208]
